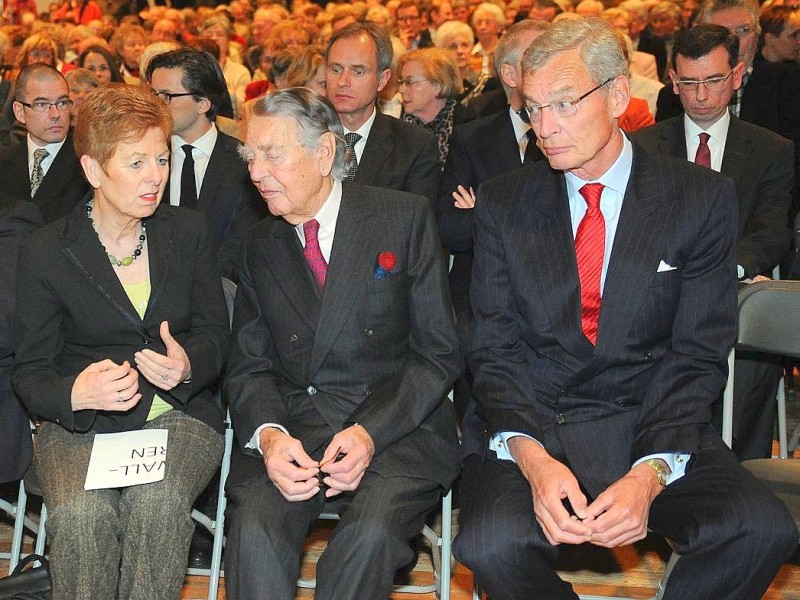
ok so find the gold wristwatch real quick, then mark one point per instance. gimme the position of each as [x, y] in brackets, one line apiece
[662, 471]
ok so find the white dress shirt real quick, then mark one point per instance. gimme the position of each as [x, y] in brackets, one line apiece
[363, 131]
[203, 147]
[718, 133]
[520, 132]
[52, 149]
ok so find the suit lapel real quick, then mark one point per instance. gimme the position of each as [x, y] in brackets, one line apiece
[634, 256]
[86, 254]
[380, 144]
[738, 148]
[553, 249]
[282, 252]
[216, 173]
[161, 232]
[673, 139]
[353, 257]
[64, 168]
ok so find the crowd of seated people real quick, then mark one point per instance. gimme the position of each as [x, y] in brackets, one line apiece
[264, 117]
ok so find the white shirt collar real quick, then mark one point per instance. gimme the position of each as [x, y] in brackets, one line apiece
[205, 143]
[717, 130]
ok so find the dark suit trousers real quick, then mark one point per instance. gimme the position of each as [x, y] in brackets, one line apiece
[732, 533]
[369, 544]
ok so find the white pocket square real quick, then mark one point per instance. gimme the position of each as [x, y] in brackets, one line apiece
[663, 267]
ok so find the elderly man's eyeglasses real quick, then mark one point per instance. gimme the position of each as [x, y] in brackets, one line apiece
[168, 96]
[713, 84]
[563, 108]
[43, 106]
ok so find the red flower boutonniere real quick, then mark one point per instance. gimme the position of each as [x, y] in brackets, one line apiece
[386, 264]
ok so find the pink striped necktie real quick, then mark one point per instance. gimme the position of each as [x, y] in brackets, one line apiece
[313, 254]
[590, 242]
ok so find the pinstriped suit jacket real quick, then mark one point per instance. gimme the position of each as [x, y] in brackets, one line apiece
[663, 335]
[378, 352]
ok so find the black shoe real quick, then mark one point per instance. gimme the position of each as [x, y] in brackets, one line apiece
[201, 549]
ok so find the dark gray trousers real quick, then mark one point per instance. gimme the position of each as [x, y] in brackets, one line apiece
[130, 543]
[267, 532]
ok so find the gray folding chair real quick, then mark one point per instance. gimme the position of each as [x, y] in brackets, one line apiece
[769, 322]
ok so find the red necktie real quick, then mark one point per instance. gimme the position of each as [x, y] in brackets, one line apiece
[313, 254]
[703, 156]
[590, 242]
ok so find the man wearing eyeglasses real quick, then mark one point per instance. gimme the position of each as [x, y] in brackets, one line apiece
[410, 27]
[206, 171]
[45, 169]
[604, 298]
[706, 75]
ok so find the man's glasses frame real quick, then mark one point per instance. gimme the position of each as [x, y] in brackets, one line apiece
[168, 96]
[713, 84]
[42, 106]
[563, 108]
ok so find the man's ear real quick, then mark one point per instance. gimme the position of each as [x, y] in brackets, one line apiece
[509, 76]
[383, 79]
[19, 112]
[203, 106]
[674, 78]
[738, 75]
[326, 153]
[620, 95]
[91, 169]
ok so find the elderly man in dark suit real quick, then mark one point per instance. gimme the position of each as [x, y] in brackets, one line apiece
[17, 218]
[604, 293]
[344, 350]
[706, 74]
[388, 153]
[207, 172]
[45, 169]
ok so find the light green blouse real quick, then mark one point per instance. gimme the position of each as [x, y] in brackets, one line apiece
[139, 295]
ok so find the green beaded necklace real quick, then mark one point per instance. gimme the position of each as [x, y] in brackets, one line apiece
[127, 260]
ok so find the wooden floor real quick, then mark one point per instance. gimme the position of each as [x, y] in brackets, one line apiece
[630, 572]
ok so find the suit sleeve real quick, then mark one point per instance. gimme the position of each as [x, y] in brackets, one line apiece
[455, 224]
[499, 359]
[251, 382]
[401, 405]
[766, 235]
[692, 374]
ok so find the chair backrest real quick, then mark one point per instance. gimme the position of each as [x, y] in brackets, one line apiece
[229, 289]
[769, 318]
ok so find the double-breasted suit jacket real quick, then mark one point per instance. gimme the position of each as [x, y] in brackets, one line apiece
[400, 156]
[380, 352]
[61, 189]
[666, 324]
[73, 311]
[761, 164]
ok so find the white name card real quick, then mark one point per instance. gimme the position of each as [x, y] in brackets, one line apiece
[127, 458]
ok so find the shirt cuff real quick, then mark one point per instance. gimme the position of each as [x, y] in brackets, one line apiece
[499, 443]
[676, 461]
[255, 441]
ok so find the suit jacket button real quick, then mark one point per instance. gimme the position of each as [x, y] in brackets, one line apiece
[147, 342]
[560, 419]
[648, 357]
[311, 390]
[368, 332]
[367, 392]
[293, 338]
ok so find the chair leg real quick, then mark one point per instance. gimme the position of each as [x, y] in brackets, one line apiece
[219, 523]
[19, 526]
[781, 400]
[41, 536]
[447, 551]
